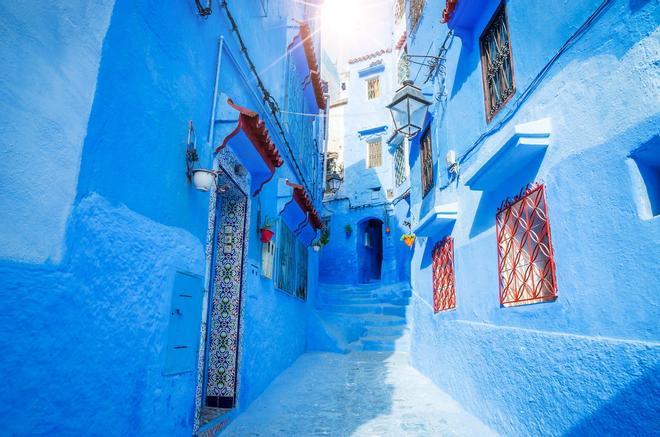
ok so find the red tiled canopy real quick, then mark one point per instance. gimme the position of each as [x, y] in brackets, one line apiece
[369, 56]
[253, 146]
[255, 128]
[314, 69]
[450, 5]
[303, 200]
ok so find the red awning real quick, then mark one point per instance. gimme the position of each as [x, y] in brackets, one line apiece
[252, 130]
[450, 5]
[314, 69]
[303, 200]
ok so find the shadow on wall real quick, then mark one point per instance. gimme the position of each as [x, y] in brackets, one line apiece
[639, 401]
[490, 201]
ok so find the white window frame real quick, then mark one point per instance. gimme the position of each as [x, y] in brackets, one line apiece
[368, 81]
[368, 154]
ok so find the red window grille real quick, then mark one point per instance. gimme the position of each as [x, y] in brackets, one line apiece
[444, 288]
[525, 257]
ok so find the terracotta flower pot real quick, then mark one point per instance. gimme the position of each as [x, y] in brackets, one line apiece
[266, 235]
[409, 240]
[387, 230]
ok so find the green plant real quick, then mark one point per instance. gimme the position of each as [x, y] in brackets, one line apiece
[324, 238]
[348, 229]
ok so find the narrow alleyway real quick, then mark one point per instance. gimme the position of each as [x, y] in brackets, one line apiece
[370, 390]
[360, 394]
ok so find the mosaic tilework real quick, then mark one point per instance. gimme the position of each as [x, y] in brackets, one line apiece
[226, 299]
[225, 161]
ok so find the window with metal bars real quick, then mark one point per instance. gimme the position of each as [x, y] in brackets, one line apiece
[444, 283]
[373, 88]
[497, 63]
[415, 12]
[399, 9]
[300, 127]
[291, 263]
[426, 158]
[375, 155]
[400, 167]
[525, 256]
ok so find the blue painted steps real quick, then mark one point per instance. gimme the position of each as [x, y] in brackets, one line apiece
[379, 311]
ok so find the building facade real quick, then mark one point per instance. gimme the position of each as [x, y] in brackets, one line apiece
[364, 151]
[533, 197]
[135, 304]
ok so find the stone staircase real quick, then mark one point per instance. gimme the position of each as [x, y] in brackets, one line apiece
[377, 312]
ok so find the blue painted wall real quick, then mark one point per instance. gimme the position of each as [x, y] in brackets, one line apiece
[98, 214]
[587, 363]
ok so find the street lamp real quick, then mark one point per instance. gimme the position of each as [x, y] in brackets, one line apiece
[408, 109]
[334, 182]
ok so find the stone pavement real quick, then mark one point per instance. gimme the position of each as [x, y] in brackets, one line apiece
[357, 394]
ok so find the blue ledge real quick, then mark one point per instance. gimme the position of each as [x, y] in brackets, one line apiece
[436, 220]
[369, 71]
[372, 131]
[466, 15]
[528, 142]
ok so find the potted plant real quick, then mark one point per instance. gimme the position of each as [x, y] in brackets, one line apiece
[409, 237]
[348, 229]
[266, 232]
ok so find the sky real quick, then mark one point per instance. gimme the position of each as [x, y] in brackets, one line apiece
[351, 28]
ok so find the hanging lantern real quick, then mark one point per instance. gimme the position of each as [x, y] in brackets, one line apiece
[409, 109]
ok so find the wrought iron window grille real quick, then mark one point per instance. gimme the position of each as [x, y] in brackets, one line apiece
[400, 167]
[415, 12]
[497, 63]
[444, 282]
[426, 156]
[525, 255]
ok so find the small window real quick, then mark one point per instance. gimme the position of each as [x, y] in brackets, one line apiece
[497, 63]
[399, 10]
[426, 156]
[415, 13]
[292, 263]
[375, 155]
[444, 283]
[400, 167]
[373, 88]
[525, 257]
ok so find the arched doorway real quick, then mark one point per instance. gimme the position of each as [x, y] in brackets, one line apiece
[370, 250]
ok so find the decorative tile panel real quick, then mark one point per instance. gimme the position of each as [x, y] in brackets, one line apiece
[226, 296]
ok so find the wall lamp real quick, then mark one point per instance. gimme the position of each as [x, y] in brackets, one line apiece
[204, 11]
[334, 182]
[203, 179]
[408, 108]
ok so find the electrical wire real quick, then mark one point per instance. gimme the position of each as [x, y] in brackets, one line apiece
[268, 98]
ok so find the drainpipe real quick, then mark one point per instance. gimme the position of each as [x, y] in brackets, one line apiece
[221, 43]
